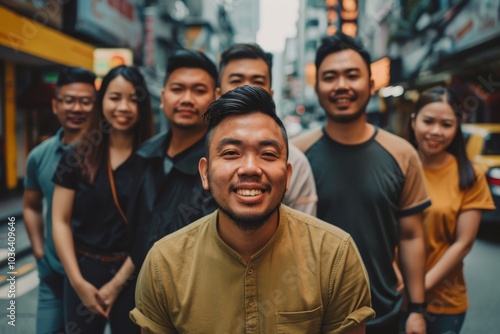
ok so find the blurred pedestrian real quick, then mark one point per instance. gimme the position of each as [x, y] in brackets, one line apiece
[169, 194]
[248, 64]
[254, 265]
[459, 192]
[369, 182]
[90, 231]
[73, 104]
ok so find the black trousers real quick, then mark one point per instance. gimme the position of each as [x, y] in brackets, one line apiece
[79, 319]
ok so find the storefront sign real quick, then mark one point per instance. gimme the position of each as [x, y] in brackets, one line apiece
[112, 22]
[48, 12]
[106, 59]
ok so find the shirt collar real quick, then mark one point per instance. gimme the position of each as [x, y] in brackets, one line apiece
[257, 257]
[154, 147]
[61, 147]
[186, 161]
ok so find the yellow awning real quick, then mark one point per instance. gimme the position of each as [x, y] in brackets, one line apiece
[25, 35]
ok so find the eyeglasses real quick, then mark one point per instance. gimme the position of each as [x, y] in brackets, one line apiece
[69, 102]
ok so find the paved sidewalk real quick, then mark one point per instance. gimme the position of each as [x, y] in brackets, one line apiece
[11, 206]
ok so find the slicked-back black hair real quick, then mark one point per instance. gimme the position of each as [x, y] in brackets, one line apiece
[69, 75]
[467, 176]
[341, 42]
[242, 100]
[191, 59]
[246, 51]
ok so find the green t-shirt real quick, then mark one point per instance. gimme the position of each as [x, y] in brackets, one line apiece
[42, 164]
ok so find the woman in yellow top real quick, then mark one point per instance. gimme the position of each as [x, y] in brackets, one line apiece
[459, 192]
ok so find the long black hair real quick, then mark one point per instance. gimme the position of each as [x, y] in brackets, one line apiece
[94, 146]
[467, 176]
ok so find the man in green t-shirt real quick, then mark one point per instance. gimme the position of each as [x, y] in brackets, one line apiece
[72, 105]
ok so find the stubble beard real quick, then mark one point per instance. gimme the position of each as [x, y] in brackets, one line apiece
[246, 223]
[349, 118]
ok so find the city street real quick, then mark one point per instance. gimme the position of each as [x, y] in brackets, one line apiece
[481, 269]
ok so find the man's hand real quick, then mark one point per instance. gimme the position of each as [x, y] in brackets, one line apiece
[415, 324]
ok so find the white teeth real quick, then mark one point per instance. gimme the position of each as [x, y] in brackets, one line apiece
[249, 192]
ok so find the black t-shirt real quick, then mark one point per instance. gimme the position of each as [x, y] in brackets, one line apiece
[365, 189]
[96, 222]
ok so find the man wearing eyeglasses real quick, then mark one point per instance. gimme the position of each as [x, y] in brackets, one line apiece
[72, 105]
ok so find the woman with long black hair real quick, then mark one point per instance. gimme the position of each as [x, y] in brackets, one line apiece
[459, 192]
[90, 230]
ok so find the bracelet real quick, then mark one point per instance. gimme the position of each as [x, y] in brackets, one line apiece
[417, 308]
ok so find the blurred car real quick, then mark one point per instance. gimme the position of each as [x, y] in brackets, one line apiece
[482, 142]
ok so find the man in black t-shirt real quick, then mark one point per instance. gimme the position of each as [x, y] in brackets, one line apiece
[369, 183]
[169, 194]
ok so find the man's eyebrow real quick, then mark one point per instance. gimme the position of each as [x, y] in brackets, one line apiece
[271, 142]
[229, 141]
[351, 69]
[254, 76]
[236, 142]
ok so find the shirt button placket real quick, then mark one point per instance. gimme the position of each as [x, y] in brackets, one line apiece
[251, 307]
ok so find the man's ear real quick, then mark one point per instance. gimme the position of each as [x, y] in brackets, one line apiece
[161, 98]
[289, 170]
[372, 87]
[218, 92]
[54, 106]
[203, 170]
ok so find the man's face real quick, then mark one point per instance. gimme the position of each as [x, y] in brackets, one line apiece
[73, 106]
[343, 86]
[247, 170]
[247, 71]
[186, 96]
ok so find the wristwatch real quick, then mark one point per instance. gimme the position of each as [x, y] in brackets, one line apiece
[417, 307]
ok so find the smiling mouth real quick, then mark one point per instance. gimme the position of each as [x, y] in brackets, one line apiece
[186, 111]
[342, 100]
[122, 119]
[249, 192]
[77, 119]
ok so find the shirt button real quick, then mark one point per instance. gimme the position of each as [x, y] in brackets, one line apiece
[250, 302]
[250, 271]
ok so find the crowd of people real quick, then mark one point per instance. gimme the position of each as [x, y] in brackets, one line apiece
[223, 225]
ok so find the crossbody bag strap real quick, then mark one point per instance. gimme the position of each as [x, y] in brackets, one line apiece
[113, 191]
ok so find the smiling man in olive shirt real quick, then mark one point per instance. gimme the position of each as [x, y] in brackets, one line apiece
[254, 265]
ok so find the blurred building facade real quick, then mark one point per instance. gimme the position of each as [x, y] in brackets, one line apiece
[245, 18]
[37, 38]
[413, 44]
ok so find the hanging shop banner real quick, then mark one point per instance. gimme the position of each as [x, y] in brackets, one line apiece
[112, 22]
[477, 22]
[464, 25]
[47, 12]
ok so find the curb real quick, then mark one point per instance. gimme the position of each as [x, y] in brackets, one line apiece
[19, 254]
[4, 218]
